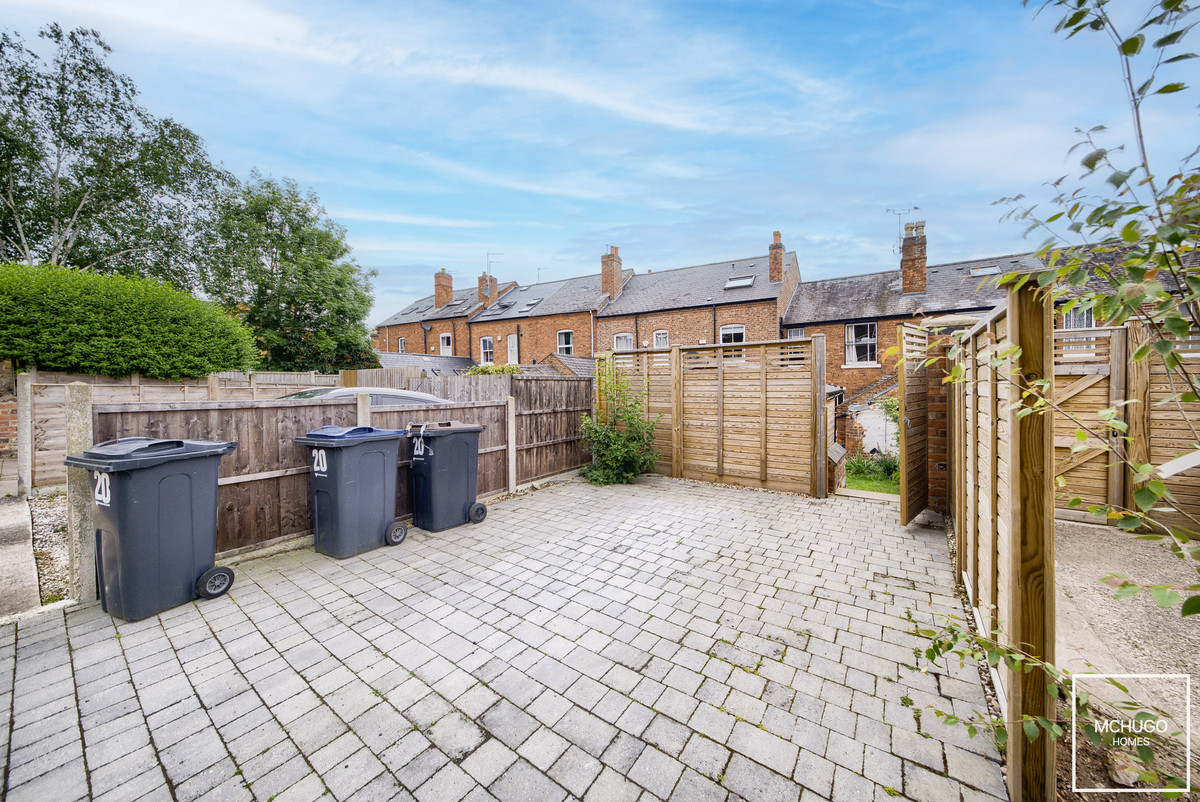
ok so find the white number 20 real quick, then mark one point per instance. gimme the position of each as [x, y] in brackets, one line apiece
[319, 463]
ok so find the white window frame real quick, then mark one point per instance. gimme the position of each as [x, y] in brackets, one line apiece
[733, 331]
[617, 341]
[446, 343]
[487, 350]
[666, 339]
[795, 333]
[400, 345]
[566, 348]
[870, 340]
[1079, 318]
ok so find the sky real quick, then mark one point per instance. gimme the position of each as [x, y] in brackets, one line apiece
[533, 135]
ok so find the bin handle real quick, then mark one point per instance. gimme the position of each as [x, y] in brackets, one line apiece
[154, 448]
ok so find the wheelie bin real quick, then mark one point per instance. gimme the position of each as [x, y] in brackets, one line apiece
[445, 474]
[353, 488]
[155, 511]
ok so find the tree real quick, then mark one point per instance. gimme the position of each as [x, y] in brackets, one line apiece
[284, 268]
[55, 318]
[88, 178]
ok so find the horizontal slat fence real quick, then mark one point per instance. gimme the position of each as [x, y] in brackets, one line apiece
[1173, 427]
[751, 414]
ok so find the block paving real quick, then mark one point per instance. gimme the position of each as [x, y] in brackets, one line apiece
[667, 640]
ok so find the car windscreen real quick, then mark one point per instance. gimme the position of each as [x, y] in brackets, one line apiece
[315, 393]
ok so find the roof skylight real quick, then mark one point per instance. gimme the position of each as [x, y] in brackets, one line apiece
[985, 270]
[739, 281]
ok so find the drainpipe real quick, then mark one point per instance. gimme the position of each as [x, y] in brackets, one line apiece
[592, 325]
[714, 314]
[518, 343]
[637, 337]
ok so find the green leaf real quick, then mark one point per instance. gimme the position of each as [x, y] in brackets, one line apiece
[1127, 591]
[1191, 606]
[1092, 159]
[1145, 498]
[1081, 435]
[1146, 754]
[1129, 522]
[1133, 45]
[1031, 729]
[1166, 89]
[1164, 347]
[1165, 597]
[1181, 57]
[1172, 38]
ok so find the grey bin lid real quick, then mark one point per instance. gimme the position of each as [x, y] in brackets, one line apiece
[132, 453]
[440, 428]
[344, 436]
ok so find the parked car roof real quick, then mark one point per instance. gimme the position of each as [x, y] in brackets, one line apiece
[382, 396]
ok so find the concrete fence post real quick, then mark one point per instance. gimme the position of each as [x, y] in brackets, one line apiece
[24, 434]
[214, 387]
[364, 409]
[81, 530]
[510, 404]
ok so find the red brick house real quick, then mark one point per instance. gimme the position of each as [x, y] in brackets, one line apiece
[437, 324]
[858, 314]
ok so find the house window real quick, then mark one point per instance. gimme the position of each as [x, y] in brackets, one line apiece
[662, 339]
[445, 345]
[485, 350]
[735, 333]
[400, 345]
[795, 333]
[1079, 318]
[623, 341]
[861, 342]
[565, 339]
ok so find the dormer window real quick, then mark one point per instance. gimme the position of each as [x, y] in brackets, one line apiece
[735, 282]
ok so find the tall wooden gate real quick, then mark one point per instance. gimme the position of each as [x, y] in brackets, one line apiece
[1089, 375]
[914, 422]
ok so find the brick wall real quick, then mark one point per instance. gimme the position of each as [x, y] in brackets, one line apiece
[938, 427]
[414, 337]
[691, 326]
[855, 378]
[791, 278]
[538, 336]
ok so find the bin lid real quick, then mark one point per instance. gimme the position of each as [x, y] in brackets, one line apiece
[440, 428]
[342, 436]
[132, 453]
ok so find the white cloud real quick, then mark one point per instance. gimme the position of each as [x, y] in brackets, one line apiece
[406, 219]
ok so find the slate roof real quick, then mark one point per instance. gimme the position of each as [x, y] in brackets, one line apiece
[701, 285]
[579, 365]
[437, 365]
[951, 287]
[579, 294]
[424, 309]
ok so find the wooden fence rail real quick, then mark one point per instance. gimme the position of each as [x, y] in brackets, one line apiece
[750, 414]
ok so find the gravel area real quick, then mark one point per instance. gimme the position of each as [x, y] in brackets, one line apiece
[50, 545]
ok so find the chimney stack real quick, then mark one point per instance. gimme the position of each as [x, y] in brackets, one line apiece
[912, 257]
[610, 273]
[488, 289]
[775, 257]
[443, 288]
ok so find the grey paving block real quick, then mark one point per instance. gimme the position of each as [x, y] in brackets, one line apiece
[523, 782]
[575, 770]
[656, 771]
[705, 756]
[694, 788]
[586, 731]
[456, 736]
[763, 747]
[753, 781]
[414, 773]
[543, 748]
[667, 735]
[449, 784]
[612, 787]
[509, 723]
[918, 748]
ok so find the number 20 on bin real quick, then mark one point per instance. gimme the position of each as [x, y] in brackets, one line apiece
[319, 463]
[103, 489]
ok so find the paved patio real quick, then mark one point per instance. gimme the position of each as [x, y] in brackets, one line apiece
[668, 640]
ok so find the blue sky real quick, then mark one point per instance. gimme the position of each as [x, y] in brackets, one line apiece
[683, 132]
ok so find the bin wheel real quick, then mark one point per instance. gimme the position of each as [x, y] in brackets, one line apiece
[477, 512]
[214, 582]
[395, 534]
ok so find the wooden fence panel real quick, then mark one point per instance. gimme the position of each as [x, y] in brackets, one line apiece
[1174, 430]
[263, 484]
[750, 414]
[549, 416]
[914, 415]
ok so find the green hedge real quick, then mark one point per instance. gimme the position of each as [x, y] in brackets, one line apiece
[55, 318]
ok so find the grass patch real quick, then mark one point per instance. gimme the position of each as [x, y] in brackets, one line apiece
[875, 484]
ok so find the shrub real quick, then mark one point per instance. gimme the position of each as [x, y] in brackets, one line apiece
[56, 318]
[491, 370]
[621, 440]
[880, 466]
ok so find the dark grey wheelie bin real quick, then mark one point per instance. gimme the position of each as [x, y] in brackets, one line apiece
[353, 488]
[445, 474]
[155, 510]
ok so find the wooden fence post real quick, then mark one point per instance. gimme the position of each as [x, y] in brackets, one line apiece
[1137, 412]
[348, 378]
[214, 387]
[818, 417]
[676, 412]
[24, 434]
[1031, 617]
[81, 530]
[510, 404]
[364, 409]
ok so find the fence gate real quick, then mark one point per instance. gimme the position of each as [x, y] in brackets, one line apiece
[914, 428]
[1089, 375]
